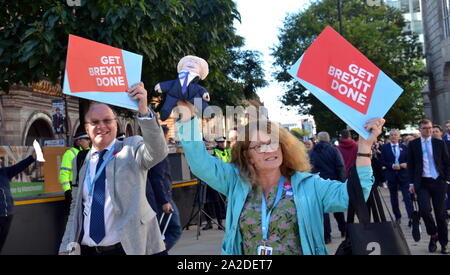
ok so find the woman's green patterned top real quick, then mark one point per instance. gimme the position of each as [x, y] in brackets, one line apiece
[283, 235]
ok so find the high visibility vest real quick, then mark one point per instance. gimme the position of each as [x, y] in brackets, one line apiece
[224, 155]
[65, 171]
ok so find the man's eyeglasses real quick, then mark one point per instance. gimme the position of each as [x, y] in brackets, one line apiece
[265, 147]
[104, 121]
[426, 128]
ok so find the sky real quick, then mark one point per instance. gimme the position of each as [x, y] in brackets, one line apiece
[260, 23]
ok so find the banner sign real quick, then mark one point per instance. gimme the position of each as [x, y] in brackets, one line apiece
[23, 189]
[100, 72]
[55, 143]
[345, 80]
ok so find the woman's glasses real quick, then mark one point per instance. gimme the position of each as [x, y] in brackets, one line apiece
[270, 146]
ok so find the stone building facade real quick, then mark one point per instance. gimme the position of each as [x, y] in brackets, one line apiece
[436, 22]
[26, 114]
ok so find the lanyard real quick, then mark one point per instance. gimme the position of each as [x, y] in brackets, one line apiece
[91, 184]
[265, 217]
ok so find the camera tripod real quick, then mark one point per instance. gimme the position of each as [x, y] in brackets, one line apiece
[199, 203]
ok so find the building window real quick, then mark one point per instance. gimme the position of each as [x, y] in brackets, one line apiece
[446, 13]
[417, 27]
[404, 6]
[393, 3]
[416, 5]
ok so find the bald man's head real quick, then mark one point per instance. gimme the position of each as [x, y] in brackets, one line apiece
[101, 125]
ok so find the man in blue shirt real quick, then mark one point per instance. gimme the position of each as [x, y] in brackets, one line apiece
[429, 171]
[394, 159]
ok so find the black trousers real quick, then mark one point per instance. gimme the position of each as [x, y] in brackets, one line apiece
[340, 219]
[214, 205]
[111, 250]
[93, 251]
[394, 186]
[5, 224]
[434, 191]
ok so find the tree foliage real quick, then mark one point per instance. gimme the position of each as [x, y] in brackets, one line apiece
[34, 36]
[299, 133]
[378, 32]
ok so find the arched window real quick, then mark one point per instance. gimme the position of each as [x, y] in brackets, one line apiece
[39, 130]
[118, 127]
[129, 131]
[80, 128]
[447, 73]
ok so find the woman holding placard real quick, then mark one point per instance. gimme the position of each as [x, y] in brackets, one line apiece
[274, 205]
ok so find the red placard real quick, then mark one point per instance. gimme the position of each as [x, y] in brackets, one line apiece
[332, 64]
[92, 66]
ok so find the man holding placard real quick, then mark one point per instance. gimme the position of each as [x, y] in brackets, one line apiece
[110, 214]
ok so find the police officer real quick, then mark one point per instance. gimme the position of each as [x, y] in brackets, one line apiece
[81, 142]
[221, 151]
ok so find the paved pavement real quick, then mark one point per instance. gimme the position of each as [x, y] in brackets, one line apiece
[209, 242]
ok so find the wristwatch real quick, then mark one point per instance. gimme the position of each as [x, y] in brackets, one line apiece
[369, 155]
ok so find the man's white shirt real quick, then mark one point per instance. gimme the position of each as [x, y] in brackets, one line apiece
[191, 76]
[426, 173]
[111, 233]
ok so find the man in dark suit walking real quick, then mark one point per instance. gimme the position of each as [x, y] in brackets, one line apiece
[394, 158]
[428, 165]
[446, 139]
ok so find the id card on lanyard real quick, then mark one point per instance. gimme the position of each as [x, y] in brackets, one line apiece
[91, 184]
[265, 219]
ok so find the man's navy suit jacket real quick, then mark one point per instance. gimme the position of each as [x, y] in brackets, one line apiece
[388, 159]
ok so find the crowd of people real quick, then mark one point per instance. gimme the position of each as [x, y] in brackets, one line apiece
[416, 165]
[119, 188]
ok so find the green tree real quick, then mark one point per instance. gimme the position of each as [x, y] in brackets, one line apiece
[378, 32]
[244, 68]
[34, 36]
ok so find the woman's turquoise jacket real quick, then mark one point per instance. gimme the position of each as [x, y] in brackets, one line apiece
[313, 196]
